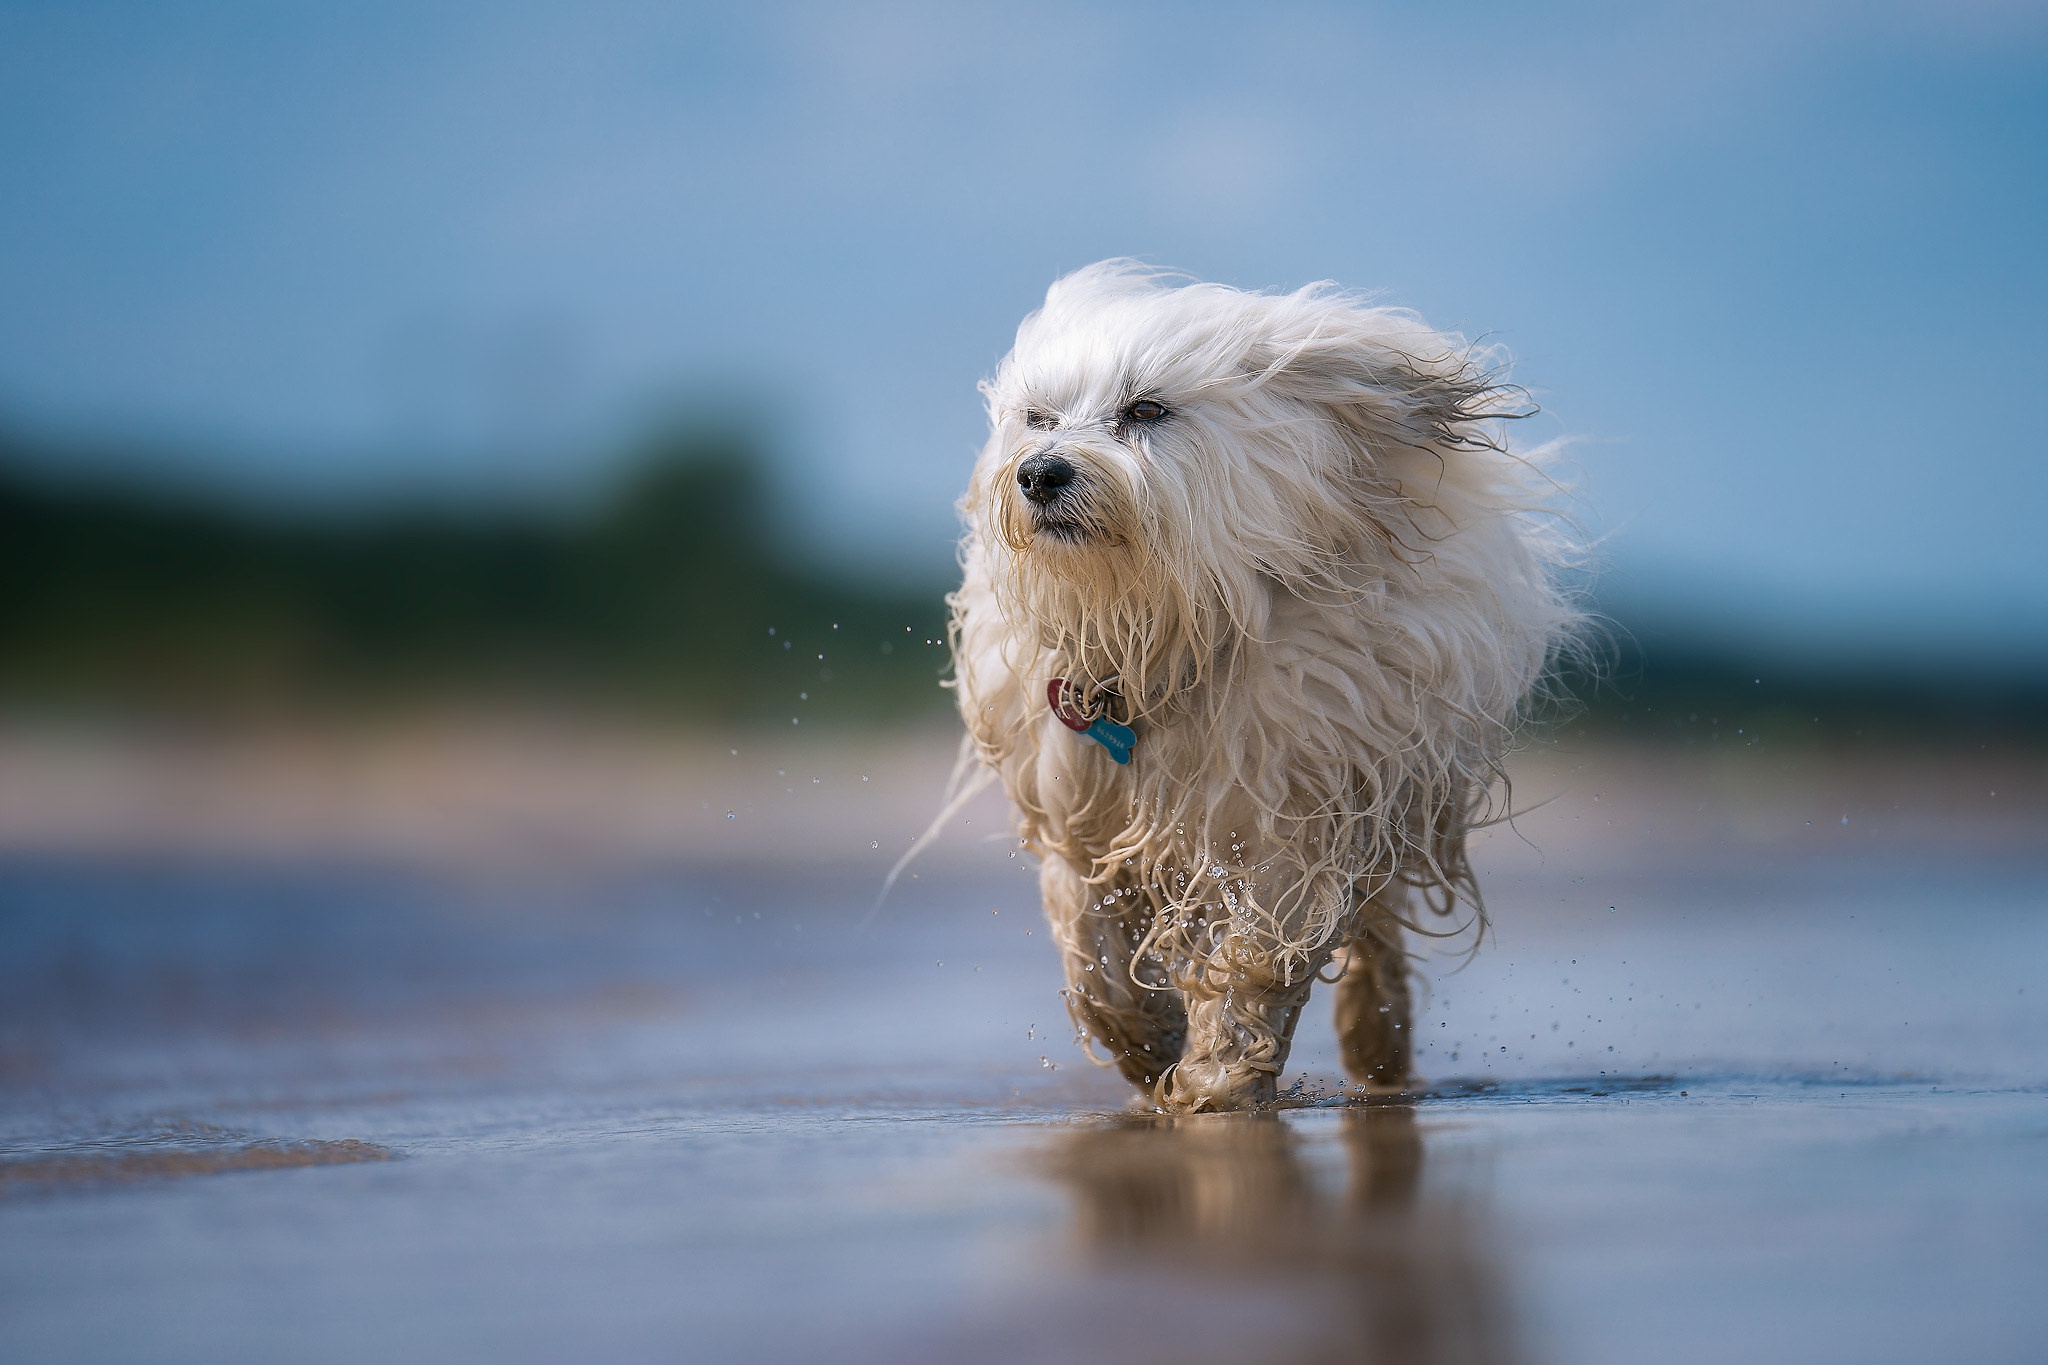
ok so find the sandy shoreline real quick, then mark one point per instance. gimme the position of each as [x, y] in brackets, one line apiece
[526, 789]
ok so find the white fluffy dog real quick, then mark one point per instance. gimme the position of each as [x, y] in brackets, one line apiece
[1254, 590]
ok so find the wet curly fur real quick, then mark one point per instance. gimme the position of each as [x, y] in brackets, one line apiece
[1283, 538]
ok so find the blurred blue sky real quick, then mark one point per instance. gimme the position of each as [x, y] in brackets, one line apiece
[1780, 269]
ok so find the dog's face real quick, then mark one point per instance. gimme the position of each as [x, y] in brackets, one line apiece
[1205, 444]
[1113, 425]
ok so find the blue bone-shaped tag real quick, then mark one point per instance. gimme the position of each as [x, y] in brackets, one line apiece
[1066, 704]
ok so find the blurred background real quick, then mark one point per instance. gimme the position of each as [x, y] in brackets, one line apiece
[456, 354]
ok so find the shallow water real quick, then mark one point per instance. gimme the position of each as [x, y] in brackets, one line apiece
[1782, 1110]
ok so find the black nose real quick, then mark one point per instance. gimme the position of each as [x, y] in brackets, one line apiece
[1043, 476]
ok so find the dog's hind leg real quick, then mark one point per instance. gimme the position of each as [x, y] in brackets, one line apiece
[1140, 1029]
[1375, 1011]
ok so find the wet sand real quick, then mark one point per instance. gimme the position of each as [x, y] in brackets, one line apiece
[537, 1043]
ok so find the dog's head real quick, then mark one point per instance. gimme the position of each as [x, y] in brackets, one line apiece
[1165, 455]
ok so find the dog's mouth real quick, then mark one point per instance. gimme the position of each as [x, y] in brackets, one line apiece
[1061, 525]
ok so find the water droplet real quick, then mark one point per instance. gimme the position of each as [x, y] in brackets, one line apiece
[1048, 1063]
[730, 816]
[874, 843]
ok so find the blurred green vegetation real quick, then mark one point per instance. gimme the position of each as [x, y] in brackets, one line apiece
[1656, 682]
[677, 592]
[681, 594]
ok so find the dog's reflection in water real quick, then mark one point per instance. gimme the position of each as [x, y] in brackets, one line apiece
[1225, 1211]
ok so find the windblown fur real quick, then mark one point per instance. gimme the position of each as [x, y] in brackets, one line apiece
[1290, 547]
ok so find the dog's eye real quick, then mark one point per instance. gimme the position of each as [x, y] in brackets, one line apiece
[1144, 410]
[1040, 421]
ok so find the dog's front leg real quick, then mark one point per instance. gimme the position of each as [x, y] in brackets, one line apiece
[1240, 1027]
[1140, 1029]
[1246, 977]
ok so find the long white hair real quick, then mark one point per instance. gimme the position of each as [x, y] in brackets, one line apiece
[1320, 587]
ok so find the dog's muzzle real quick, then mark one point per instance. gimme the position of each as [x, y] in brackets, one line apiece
[1044, 477]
